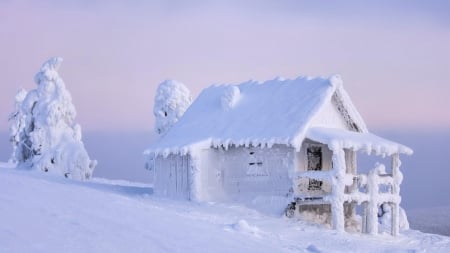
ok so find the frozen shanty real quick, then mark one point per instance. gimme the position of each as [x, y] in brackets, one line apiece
[296, 139]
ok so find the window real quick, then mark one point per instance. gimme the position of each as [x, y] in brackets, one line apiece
[314, 156]
[255, 166]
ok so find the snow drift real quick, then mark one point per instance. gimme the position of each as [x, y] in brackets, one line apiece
[55, 215]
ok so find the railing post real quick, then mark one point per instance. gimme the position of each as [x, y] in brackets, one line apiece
[372, 206]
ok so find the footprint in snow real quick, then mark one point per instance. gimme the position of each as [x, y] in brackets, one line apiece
[243, 227]
[313, 249]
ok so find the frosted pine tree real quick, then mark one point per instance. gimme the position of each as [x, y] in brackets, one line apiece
[50, 140]
[171, 101]
[17, 121]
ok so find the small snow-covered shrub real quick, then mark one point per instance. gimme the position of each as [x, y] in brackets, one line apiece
[385, 216]
[43, 132]
[171, 101]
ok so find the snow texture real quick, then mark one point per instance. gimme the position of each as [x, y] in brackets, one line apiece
[230, 97]
[7, 165]
[243, 227]
[277, 111]
[43, 132]
[171, 101]
[55, 215]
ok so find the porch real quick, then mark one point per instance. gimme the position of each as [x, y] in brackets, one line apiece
[342, 188]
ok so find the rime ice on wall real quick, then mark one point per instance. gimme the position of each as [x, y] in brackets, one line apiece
[171, 101]
[44, 134]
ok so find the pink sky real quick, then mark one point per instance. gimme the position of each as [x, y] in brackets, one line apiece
[394, 57]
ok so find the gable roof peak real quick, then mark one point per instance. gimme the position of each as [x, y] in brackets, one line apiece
[336, 81]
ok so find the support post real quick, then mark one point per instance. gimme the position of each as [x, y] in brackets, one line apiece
[338, 190]
[364, 218]
[398, 177]
[372, 206]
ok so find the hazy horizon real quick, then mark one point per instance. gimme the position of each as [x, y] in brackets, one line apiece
[425, 174]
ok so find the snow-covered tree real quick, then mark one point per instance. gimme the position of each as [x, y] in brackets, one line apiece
[171, 101]
[49, 140]
[17, 119]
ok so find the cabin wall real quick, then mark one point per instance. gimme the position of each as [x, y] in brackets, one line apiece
[302, 160]
[172, 176]
[242, 174]
[301, 164]
[239, 173]
[330, 117]
[209, 175]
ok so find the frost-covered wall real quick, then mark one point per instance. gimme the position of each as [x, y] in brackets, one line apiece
[243, 174]
[330, 117]
[305, 186]
[235, 174]
[172, 176]
[302, 159]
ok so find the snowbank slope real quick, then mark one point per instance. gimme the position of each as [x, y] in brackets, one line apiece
[39, 213]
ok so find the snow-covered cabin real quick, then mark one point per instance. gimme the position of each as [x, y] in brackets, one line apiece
[295, 139]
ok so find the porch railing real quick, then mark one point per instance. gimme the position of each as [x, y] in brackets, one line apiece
[370, 190]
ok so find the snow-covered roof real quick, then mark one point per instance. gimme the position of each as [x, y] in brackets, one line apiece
[277, 111]
[367, 142]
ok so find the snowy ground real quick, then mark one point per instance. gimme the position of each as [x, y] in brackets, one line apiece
[42, 213]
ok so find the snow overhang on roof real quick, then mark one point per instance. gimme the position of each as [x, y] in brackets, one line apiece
[367, 142]
[277, 111]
